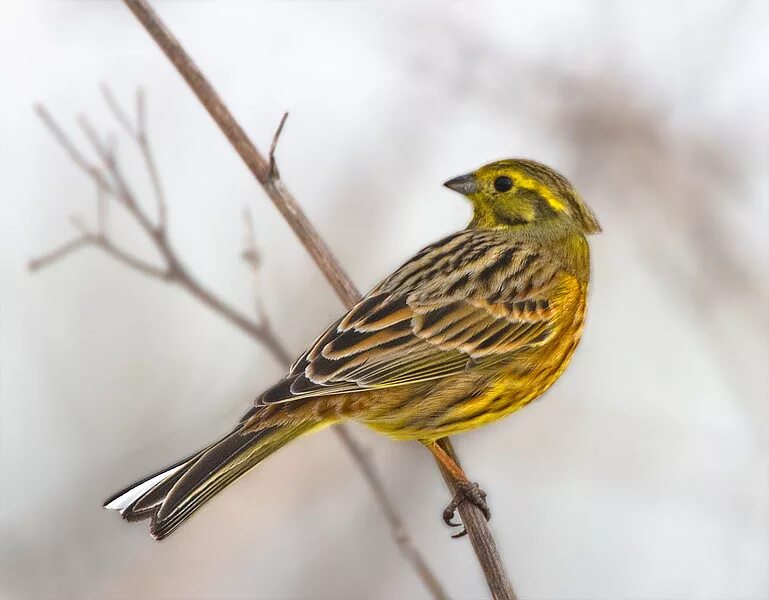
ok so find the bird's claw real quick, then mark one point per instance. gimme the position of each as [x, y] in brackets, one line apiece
[467, 491]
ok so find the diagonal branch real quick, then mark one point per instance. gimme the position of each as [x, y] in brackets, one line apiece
[111, 185]
[479, 532]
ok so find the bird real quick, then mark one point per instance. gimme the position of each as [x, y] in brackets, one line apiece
[472, 328]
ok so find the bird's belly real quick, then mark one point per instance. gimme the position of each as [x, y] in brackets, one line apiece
[453, 405]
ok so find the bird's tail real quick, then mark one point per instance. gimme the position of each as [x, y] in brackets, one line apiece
[170, 496]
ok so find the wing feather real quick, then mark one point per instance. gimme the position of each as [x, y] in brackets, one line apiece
[476, 297]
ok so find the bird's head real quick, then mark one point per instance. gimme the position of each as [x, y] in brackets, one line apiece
[515, 193]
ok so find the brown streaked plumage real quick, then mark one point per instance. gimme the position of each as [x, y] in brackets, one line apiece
[469, 330]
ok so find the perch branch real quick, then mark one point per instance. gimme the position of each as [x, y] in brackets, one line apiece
[111, 184]
[481, 537]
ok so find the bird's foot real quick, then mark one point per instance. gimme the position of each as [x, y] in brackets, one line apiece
[467, 491]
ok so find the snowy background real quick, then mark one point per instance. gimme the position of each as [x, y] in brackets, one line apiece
[645, 471]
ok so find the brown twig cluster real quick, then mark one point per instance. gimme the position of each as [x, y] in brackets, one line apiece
[112, 188]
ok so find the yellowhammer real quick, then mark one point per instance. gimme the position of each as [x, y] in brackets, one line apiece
[470, 329]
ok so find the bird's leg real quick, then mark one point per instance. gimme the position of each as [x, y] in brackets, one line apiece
[467, 491]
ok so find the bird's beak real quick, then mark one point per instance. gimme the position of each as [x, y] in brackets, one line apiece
[464, 184]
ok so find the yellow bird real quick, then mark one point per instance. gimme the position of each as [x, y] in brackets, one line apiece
[472, 328]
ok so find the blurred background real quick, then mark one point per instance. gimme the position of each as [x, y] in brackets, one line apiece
[645, 471]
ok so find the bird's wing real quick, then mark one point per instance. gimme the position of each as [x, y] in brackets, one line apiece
[472, 298]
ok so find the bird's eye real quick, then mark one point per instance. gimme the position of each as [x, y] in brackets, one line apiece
[503, 183]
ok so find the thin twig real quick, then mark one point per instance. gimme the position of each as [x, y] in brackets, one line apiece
[273, 174]
[250, 256]
[101, 212]
[93, 171]
[149, 159]
[118, 112]
[489, 558]
[131, 261]
[57, 253]
[138, 133]
[111, 182]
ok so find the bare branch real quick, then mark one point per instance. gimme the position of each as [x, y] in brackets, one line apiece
[119, 114]
[92, 170]
[138, 133]
[131, 261]
[57, 253]
[120, 188]
[101, 212]
[149, 160]
[105, 150]
[490, 560]
[89, 239]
